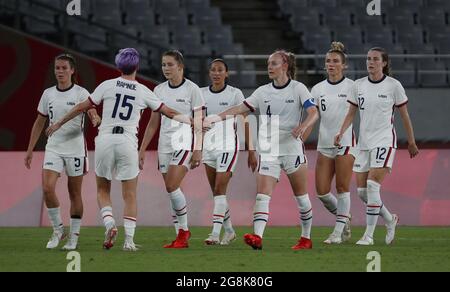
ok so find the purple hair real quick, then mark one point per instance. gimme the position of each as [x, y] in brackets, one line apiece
[127, 61]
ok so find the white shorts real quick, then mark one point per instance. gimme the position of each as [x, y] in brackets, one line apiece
[272, 165]
[221, 161]
[382, 157]
[74, 166]
[116, 153]
[180, 157]
[332, 153]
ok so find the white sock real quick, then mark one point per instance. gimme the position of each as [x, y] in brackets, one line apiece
[180, 207]
[304, 204]
[374, 205]
[108, 218]
[174, 218]
[343, 212]
[220, 207]
[227, 225]
[129, 223]
[384, 212]
[54, 214]
[75, 226]
[261, 214]
[330, 202]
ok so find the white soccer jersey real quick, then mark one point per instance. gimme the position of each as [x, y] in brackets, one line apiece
[377, 102]
[123, 100]
[185, 99]
[55, 104]
[280, 112]
[331, 99]
[222, 136]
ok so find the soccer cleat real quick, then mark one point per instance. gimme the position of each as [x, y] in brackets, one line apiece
[365, 240]
[303, 243]
[72, 243]
[390, 227]
[333, 239]
[57, 236]
[228, 238]
[255, 241]
[182, 240]
[110, 237]
[129, 245]
[347, 233]
[212, 240]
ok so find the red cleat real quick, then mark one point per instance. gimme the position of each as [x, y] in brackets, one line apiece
[255, 241]
[303, 243]
[182, 240]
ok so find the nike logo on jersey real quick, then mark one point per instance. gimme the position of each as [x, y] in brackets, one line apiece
[264, 168]
[126, 85]
[77, 170]
[379, 161]
[266, 101]
[49, 163]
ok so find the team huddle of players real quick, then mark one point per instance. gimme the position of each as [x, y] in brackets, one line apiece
[198, 125]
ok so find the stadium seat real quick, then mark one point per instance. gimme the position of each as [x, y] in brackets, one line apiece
[431, 74]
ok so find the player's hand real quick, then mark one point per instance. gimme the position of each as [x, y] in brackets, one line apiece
[299, 131]
[252, 162]
[337, 140]
[413, 150]
[96, 121]
[141, 160]
[196, 159]
[52, 129]
[28, 159]
[208, 123]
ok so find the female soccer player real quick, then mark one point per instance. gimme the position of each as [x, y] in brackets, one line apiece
[221, 149]
[331, 96]
[116, 144]
[280, 142]
[179, 149]
[376, 97]
[64, 150]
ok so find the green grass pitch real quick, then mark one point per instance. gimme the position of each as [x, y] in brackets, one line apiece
[415, 249]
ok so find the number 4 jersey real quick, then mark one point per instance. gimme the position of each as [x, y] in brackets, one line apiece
[123, 100]
[55, 104]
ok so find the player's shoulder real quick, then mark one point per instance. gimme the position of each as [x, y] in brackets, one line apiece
[319, 85]
[50, 90]
[79, 89]
[361, 81]
[233, 89]
[190, 84]
[391, 80]
[348, 81]
[162, 86]
[298, 85]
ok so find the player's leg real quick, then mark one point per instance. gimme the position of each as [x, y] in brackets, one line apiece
[299, 181]
[344, 173]
[49, 179]
[174, 178]
[163, 167]
[324, 176]
[106, 211]
[129, 188]
[74, 184]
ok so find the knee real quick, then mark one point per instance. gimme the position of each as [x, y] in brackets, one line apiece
[48, 189]
[341, 189]
[171, 187]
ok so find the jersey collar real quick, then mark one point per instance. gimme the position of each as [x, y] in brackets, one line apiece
[281, 87]
[65, 90]
[379, 81]
[175, 87]
[217, 92]
[337, 82]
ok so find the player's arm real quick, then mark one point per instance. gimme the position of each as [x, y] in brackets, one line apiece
[252, 161]
[305, 128]
[77, 110]
[412, 147]
[198, 132]
[228, 114]
[94, 117]
[347, 122]
[150, 132]
[174, 115]
[36, 131]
